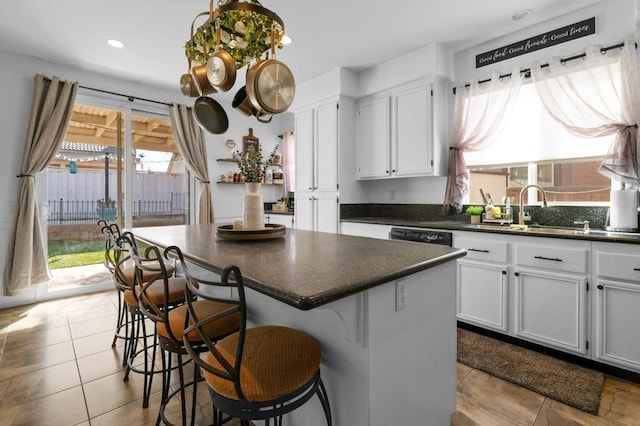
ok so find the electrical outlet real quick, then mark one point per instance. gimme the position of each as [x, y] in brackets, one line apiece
[392, 196]
[401, 295]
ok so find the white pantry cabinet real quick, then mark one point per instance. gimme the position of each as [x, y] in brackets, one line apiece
[319, 129]
[617, 304]
[396, 135]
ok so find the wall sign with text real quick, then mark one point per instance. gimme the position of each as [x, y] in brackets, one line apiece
[541, 41]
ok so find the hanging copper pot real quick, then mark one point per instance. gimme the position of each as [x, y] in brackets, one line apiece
[221, 67]
[270, 84]
[188, 84]
[242, 103]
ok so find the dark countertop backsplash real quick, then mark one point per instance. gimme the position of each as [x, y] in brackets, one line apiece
[564, 216]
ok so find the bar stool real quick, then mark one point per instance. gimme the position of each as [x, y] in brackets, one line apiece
[154, 296]
[258, 373]
[111, 233]
[125, 250]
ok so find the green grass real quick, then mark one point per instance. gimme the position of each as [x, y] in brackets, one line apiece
[66, 254]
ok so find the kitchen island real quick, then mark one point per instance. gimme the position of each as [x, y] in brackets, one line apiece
[383, 312]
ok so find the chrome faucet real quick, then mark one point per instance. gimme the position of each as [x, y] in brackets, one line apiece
[521, 214]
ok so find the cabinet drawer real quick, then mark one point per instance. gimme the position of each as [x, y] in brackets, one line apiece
[616, 265]
[484, 249]
[554, 258]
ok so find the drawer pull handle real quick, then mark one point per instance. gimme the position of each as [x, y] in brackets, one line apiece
[555, 259]
[479, 250]
[600, 287]
[636, 269]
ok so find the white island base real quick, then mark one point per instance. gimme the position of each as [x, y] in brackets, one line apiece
[381, 367]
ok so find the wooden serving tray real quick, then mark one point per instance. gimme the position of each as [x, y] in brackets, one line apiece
[271, 230]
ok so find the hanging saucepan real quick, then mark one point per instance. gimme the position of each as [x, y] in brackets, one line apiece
[242, 103]
[270, 84]
[199, 72]
[188, 84]
[210, 115]
[221, 67]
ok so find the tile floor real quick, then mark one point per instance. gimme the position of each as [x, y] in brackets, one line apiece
[57, 367]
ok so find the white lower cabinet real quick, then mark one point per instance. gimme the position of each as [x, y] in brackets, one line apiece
[482, 294]
[550, 308]
[551, 293]
[535, 289]
[280, 219]
[370, 230]
[317, 211]
[482, 283]
[617, 304]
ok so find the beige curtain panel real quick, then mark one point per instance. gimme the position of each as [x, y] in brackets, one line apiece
[191, 144]
[52, 105]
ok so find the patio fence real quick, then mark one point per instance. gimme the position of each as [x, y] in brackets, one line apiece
[72, 212]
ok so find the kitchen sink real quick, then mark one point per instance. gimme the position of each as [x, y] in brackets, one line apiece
[550, 230]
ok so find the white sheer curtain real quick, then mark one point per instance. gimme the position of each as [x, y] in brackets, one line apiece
[480, 112]
[597, 96]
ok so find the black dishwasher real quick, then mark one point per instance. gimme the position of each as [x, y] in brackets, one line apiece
[428, 236]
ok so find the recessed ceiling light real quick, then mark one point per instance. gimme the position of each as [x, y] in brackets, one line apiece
[115, 43]
[521, 14]
[286, 39]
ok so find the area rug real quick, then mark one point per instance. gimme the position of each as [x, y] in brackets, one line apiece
[568, 383]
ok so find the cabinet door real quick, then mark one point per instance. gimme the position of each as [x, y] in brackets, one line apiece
[326, 147]
[304, 150]
[618, 323]
[326, 214]
[304, 210]
[374, 132]
[413, 140]
[482, 294]
[550, 308]
[277, 219]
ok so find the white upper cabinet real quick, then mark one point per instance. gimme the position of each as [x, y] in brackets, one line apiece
[397, 136]
[374, 135]
[317, 148]
[412, 138]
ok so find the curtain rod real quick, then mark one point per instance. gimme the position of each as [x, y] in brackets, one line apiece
[527, 71]
[129, 97]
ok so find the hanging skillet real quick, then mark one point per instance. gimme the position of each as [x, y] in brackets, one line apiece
[270, 84]
[210, 115]
[221, 67]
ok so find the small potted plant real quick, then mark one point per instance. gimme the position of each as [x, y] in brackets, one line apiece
[475, 212]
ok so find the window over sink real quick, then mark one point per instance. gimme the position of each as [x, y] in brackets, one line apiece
[533, 148]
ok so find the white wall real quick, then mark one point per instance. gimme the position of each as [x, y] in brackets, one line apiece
[614, 19]
[17, 74]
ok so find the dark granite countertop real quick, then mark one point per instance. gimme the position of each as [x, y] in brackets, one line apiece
[304, 269]
[534, 231]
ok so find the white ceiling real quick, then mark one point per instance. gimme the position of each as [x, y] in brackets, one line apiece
[355, 34]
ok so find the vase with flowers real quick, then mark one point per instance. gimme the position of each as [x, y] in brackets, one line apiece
[250, 164]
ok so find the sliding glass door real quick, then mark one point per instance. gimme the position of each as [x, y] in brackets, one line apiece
[117, 163]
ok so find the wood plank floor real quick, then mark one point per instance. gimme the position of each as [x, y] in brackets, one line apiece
[57, 367]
